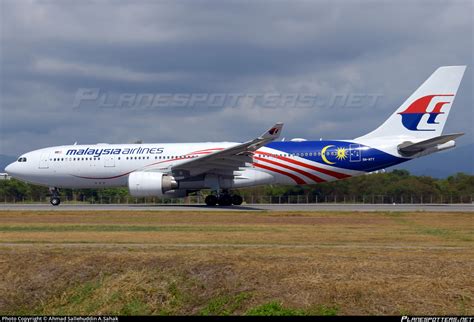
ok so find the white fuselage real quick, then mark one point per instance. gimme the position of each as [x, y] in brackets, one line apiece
[108, 165]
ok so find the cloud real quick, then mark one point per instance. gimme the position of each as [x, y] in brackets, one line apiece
[115, 73]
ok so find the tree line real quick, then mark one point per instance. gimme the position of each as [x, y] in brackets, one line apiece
[397, 185]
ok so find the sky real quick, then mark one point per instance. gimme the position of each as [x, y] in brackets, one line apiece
[55, 53]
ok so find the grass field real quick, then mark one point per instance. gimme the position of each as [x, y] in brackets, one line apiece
[221, 263]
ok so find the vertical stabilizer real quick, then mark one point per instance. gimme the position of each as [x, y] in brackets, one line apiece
[424, 114]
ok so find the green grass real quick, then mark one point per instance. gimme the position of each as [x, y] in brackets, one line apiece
[122, 228]
[78, 297]
[134, 307]
[446, 234]
[225, 305]
[277, 309]
[92, 297]
[326, 310]
[83, 292]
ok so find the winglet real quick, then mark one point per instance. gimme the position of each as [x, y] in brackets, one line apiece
[273, 132]
[269, 135]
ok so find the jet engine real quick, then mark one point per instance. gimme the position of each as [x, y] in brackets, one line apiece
[148, 184]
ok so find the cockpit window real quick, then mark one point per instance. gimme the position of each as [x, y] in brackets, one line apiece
[22, 159]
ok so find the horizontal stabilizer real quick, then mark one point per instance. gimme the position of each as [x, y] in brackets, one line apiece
[409, 149]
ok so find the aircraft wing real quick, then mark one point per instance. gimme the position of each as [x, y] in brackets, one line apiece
[226, 161]
[409, 148]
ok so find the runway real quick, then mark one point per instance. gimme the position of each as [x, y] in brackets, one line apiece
[246, 207]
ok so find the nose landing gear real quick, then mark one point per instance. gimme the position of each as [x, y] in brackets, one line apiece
[54, 200]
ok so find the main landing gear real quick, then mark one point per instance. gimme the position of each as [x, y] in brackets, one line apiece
[54, 200]
[223, 199]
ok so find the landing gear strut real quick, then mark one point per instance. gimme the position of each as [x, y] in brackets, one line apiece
[54, 200]
[223, 199]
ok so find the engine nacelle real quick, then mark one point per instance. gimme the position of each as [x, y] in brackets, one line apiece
[150, 184]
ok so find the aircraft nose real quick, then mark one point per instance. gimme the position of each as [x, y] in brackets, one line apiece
[10, 169]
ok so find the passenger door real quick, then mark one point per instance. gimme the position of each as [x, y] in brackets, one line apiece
[44, 161]
[109, 161]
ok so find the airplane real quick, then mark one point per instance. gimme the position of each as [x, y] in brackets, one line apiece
[178, 169]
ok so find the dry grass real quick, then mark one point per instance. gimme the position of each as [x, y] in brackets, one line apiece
[229, 263]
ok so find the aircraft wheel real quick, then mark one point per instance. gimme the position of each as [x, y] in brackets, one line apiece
[55, 201]
[211, 200]
[225, 200]
[237, 200]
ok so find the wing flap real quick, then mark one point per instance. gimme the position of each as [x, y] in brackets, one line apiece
[232, 158]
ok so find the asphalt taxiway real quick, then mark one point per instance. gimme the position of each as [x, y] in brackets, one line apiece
[246, 207]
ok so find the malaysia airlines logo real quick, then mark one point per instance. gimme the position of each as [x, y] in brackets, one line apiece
[412, 116]
[273, 131]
